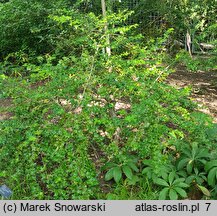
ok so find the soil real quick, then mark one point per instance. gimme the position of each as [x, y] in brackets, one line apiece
[5, 104]
[204, 88]
[95, 155]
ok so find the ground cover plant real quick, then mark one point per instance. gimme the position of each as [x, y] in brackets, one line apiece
[77, 123]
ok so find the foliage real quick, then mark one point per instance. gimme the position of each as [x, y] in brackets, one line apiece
[193, 157]
[26, 27]
[78, 115]
[173, 187]
[211, 168]
[128, 167]
[196, 63]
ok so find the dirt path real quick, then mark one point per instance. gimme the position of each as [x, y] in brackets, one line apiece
[204, 88]
[4, 105]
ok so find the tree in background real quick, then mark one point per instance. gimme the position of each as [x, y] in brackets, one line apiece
[25, 25]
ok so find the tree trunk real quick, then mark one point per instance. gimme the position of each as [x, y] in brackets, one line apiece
[189, 43]
[108, 48]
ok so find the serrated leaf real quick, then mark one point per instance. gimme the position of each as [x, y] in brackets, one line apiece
[204, 190]
[109, 175]
[182, 163]
[108, 165]
[161, 182]
[212, 132]
[154, 177]
[210, 164]
[205, 178]
[133, 166]
[187, 151]
[127, 171]
[146, 170]
[194, 149]
[165, 168]
[171, 177]
[182, 173]
[133, 159]
[181, 192]
[203, 153]
[182, 185]
[164, 175]
[151, 175]
[196, 171]
[117, 173]
[133, 181]
[178, 180]
[172, 194]
[189, 166]
[203, 161]
[147, 162]
[190, 179]
[163, 194]
[212, 176]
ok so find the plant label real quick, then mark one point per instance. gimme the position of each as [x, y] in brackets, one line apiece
[5, 191]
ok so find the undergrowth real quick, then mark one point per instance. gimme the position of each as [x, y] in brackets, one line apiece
[79, 115]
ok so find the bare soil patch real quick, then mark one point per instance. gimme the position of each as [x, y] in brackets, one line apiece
[5, 103]
[204, 88]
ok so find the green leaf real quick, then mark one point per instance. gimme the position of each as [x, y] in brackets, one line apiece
[203, 153]
[212, 176]
[182, 163]
[133, 181]
[133, 166]
[146, 170]
[163, 194]
[210, 164]
[109, 175]
[173, 195]
[127, 171]
[108, 165]
[164, 175]
[181, 192]
[178, 180]
[32, 138]
[149, 175]
[194, 149]
[162, 182]
[147, 162]
[190, 179]
[204, 190]
[203, 161]
[2, 174]
[182, 173]
[111, 196]
[182, 185]
[117, 173]
[190, 166]
[187, 152]
[171, 177]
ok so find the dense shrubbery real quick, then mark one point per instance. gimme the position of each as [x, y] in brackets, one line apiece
[25, 26]
[196, 63]
[79, 114]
